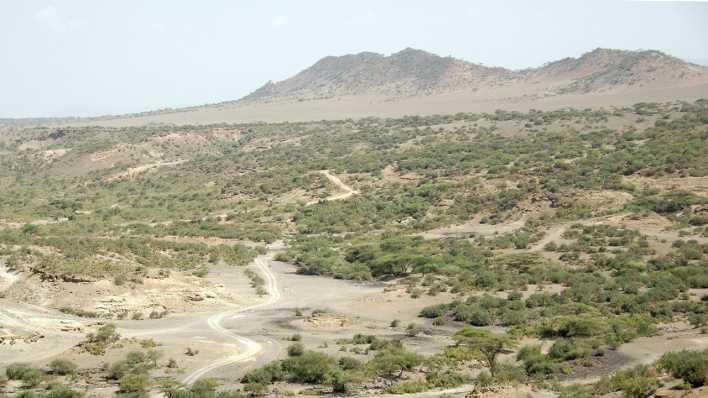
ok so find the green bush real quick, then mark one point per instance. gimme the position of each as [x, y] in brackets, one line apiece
[256, 389]
[97, 343]
[569, 349]
[409, 387]
[392, 361]
[15, 371]
[311, 368]
[266, 374]
[136, 383]
[535, 363]
[204, 387]
[296, 350]
[446, 379]
[349, 363]
[63, 392]
[30, 377]
[638, 382]
[690, 366]
[63, 367]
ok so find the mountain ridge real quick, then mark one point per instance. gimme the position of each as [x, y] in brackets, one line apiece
[412, 72]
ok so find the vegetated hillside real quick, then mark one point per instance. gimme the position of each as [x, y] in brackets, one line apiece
[536, 247]
[414, 72]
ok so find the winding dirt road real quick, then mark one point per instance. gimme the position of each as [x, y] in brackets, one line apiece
[250, 348]
[347, 190]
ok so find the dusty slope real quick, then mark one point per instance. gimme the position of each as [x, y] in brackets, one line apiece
[510, 99]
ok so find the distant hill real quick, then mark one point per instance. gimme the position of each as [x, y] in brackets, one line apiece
[414, 72]
[405, 73]
[606, 69]
[415, 82]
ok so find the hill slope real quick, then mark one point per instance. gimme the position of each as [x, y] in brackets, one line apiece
[405, 73]
[413, 72]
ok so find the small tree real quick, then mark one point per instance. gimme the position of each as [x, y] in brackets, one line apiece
[487, 343]
[394, 360]
[97, 343]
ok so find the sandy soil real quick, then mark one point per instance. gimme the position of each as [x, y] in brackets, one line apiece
[161, 293]
[474, 227]
[7, 277]
[696, 185]
[488, 100]
[263, 324]
[136, 171]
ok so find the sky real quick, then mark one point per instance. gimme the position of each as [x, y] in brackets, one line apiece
[96, 57]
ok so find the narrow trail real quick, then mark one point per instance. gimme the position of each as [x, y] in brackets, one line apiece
[7, 278]
[347, 190]
[250, 348]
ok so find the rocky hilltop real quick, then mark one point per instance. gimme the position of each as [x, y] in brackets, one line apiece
[412, 72]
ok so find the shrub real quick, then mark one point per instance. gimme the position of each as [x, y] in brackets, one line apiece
[573, 326]
[690, 366]
[265, 375]
[393, 361]
[446, 379]
[15, 371]
[97, 343]
[63, 367]
[535, 362]
[60, 391]
[204, 387]
[349, 363]
[410, 387]
[30, 377]
[135, 383]
[120, 280]
[311, 368]
[574, 348]
[638, 382]
[473, 315]
[295, 350]
[256, 389]
[412, 330]
[434, 311]
[134, 362]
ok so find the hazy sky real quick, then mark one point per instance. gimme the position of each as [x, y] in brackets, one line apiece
[88, 57]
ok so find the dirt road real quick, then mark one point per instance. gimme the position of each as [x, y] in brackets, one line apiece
[347, 191]
[249, 348]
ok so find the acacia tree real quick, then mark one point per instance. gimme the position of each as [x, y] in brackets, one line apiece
[393, 361]
[487, 343]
